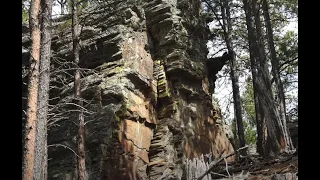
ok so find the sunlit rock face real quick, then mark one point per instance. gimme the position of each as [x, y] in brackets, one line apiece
[149, 113]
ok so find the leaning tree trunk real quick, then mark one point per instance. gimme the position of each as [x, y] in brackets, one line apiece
[227, 28]
[40, 168]
[31, 113]
[81, 165]
[276, 75]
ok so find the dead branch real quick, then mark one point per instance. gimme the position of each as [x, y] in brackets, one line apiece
[214, 12]
[218, 52]
[236, 169]
[225, 160]
[64, 70]
[219, 174]
[258, 167]
[221, 159]
[67, 147]
[88, 122]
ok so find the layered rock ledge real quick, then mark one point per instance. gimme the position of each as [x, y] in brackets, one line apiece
[149, 111]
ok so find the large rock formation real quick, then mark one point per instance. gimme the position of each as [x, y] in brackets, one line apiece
[149, 111]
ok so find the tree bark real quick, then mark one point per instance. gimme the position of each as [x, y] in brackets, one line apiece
[227, 28]
[276, 75]
[272, 140]
[41, 155]
[81, 166]
[254, 68]
[30, 127]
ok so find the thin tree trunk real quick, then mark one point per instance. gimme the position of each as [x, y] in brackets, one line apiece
[81, 166]
[225, 12]
[276, 75]
[30, 127]
[41, 155]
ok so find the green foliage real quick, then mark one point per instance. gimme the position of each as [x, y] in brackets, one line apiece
[24, 16]
[25, 11]
[81, 5]
[287, 46]
[282, 12]
[290, 7]
[248, 103]
[287, 52]
[250, 133]
[65, 26]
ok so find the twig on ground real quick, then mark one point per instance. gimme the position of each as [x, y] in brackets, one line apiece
[225, 160]
[219, 174]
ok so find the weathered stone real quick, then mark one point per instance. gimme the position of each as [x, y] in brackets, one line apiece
[150, 114]
[135, 138]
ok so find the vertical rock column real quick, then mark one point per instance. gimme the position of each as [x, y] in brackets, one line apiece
[186, 127]
[121, 96]
[125, 154]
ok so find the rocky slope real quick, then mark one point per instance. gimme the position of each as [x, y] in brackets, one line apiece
[149, 113]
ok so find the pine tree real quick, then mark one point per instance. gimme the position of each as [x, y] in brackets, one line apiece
[276, 75]
[81, 166]
[41, 162]
[271, 134]
[31, 113]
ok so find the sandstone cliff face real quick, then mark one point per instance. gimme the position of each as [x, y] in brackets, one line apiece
[151, 111]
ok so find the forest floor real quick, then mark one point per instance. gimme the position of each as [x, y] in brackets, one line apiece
[253, 167]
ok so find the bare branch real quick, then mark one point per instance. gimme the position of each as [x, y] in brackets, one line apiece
[225, 160]
[286, 62]
[214, 12]
[67, 147]
[219, 174]
[218, 51]
[88, 122]
[54, 122]
[64, 70]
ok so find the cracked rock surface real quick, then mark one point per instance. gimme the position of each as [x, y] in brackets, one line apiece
[151, 114]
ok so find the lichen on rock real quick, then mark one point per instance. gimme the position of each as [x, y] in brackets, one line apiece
[152, 115]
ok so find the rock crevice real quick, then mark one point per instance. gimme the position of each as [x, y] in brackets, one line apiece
[150, 114]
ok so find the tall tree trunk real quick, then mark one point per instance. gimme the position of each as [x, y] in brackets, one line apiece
[225, 12]
[254, 68]
[81, 166]
[30, 127]
[273, 141]
[262, 67]
[41, 154]
[276, 75]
